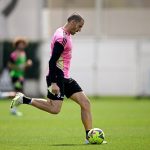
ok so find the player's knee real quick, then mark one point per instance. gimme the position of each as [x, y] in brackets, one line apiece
[55, 107]
[56, 111]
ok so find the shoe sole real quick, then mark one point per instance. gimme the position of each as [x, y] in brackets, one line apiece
[104, 142]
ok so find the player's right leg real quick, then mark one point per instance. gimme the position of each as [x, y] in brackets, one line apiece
[50, 106]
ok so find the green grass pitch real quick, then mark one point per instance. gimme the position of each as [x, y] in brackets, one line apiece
[125, 121]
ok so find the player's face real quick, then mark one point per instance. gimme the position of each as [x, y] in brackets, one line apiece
[76, 27]
[21, 46]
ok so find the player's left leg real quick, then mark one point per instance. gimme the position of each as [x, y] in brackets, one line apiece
[86, 116]
[74, 91]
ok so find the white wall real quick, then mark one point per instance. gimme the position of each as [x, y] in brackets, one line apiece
[144, 67]
[115, 72]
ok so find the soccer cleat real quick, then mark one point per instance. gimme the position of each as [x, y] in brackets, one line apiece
[17, 100]
[104, 142]
[86, 141]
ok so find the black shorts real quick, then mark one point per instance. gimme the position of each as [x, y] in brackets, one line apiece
[67, 88]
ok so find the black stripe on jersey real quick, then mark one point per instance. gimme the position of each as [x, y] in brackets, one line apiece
[64, 41]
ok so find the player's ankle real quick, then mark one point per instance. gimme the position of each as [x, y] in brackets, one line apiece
[87, 131]
[27, 100]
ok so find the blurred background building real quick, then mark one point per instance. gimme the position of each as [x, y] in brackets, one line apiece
[111, 56]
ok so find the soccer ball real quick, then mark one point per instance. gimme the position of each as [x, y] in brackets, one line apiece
[96, 136]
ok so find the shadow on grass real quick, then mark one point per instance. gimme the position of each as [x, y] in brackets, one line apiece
[72, 145]
[68, 145]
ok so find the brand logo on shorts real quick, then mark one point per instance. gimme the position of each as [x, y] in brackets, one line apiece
[60, 96]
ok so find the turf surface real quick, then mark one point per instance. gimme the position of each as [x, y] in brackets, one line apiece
[125, 121]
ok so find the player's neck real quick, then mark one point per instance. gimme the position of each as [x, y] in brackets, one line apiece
[66, 27]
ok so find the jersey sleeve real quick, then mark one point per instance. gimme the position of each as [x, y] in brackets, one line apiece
[57, 51]
[61, 39]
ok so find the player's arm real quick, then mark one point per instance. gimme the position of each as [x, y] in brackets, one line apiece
[11, 64]
[57, 51]
[28, 63]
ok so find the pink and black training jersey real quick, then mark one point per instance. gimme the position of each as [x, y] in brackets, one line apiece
[63, 62]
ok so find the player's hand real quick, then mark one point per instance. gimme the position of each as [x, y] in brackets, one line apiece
[55, 89]
[29, 63]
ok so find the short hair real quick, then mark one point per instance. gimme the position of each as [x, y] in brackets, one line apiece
[19, 40]
[75, 17]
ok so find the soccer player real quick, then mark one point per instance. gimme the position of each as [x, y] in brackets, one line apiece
[17, 64]
[59, 83]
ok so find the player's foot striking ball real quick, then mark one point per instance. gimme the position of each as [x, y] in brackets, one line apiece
[59, 82]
